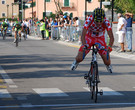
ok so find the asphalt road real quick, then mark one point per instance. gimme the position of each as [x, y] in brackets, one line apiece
[37, 76]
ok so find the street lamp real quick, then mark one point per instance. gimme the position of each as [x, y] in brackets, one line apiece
[112, 9]
[85, 8]
[32, 12]
[7, 10]
[45, 8]
[12, 10]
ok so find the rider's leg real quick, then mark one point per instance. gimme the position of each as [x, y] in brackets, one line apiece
[2, 30]
[20, 34]
[15, 36]
[107, 62]
[5, 30]
[79, 58]
[26, 32]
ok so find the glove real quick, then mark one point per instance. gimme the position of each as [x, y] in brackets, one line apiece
[85, 46]
[109, 48]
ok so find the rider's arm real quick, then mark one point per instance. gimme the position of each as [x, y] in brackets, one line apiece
[85, 28]
[111, 38]
[83, 36]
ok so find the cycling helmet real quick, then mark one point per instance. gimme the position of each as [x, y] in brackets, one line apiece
[4, 23]
[17, 22]
[99, 14]
[65, 16]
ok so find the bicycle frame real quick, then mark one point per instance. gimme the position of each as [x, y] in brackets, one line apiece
[93, 77]
[17, 38]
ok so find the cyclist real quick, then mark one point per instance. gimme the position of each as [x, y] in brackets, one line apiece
[17, 27]
[4, 25]
[24, 29]
[93, 32]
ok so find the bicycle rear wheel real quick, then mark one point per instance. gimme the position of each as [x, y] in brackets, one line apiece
[3, 34]
[17, 41]
[94, 81]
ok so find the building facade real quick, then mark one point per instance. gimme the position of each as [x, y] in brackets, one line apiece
[8, 9]
[70, 7]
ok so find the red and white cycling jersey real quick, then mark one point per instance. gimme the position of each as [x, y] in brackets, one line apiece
[93, 29]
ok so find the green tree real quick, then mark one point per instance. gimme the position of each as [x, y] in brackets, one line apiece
[125, 6]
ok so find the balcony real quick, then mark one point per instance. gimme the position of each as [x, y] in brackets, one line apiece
[70, 5]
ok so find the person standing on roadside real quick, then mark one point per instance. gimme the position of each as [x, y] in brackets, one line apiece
[121, 30]
[129, 18]
[42, 28]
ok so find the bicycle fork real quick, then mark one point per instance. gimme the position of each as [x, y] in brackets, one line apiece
[91, 80]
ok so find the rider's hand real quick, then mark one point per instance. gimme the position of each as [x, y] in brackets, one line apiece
[109, 48]
[85, 46]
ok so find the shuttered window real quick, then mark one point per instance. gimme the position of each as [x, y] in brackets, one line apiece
[47, 0]
[66, 3]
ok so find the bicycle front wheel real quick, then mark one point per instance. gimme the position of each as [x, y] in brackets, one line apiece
[3, 34]
[94, 82]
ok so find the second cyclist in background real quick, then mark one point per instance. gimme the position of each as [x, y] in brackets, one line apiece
[17, 27]
[24, 30]
[4, 27]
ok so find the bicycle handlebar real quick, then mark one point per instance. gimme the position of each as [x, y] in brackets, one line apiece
[97, 49]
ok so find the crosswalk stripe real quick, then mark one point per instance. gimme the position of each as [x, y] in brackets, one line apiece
[106, 91]
[49, 92]
[4, 94]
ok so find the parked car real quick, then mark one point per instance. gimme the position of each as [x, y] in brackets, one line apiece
[9, 30]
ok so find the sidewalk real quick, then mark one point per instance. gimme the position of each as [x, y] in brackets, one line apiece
[115, 52]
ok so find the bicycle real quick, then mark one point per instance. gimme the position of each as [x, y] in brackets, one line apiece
[17, 38]
[23, 34]
[92, 78]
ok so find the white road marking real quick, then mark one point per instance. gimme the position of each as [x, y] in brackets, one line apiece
[49, 92]
[12, 86]
[67, 105]
[26, 105]
[21, 98]
[106, 91]
[6, 77]
[4, 94]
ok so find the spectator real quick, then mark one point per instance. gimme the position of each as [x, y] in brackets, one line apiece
[55, 30]
[121, 30]
[129, 17]
[42, 28]
[69, 22]
[78, 29]
[46, 28]
[49, 26]
[37, 27]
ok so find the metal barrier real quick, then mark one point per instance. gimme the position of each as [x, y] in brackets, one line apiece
[69, 33]
[72, 34]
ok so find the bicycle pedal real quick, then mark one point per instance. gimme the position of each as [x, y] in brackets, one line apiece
[86, 76]
[98, 81]
[101, 92]
[87, 81]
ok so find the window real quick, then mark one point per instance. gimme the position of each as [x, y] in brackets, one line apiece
[66, 3]
[3, 1]
[47, 0]
[3, 14]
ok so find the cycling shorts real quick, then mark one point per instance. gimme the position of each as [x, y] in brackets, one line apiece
[17, 29]
[4, 27]
[92, 40]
